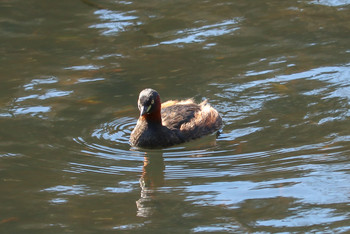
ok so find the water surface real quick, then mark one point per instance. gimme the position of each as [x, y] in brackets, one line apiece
[278, 72]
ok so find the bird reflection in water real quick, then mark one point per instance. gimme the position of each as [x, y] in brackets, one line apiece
[152, 178]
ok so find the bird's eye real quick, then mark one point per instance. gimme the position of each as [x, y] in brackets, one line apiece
[152, 102]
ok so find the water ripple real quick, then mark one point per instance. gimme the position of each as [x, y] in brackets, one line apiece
[35, 98]
[194, 35]
[115, 21]
[51, 93]
[84, 67]
[201, 34]
[44, 80]
[335, 3]
[116, 131]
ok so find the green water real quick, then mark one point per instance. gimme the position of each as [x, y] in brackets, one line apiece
[277, 71]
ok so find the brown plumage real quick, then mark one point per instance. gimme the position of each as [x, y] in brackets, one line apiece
[173, 122]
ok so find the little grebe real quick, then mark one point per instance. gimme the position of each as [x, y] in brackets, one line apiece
[173, 122]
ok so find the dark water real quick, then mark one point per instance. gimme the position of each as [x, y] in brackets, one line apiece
[277, 71]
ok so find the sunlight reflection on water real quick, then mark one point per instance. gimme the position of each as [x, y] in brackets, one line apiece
[332, 2]
[115, 21]
[306, 218]
[314, 188]
[197, 35]
[33, 110]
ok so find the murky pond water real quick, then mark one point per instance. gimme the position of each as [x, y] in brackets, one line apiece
[277, 71]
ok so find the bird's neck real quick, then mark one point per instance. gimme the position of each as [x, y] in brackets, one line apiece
[155, 116]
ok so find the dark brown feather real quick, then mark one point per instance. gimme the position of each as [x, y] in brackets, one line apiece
[174, 116]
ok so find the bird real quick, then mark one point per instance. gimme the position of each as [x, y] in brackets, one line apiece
[162, 125]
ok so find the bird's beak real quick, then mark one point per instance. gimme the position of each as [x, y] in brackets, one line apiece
[144, 110]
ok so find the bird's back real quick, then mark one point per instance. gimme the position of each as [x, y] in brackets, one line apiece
[190, 119]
